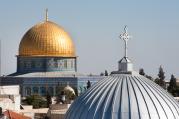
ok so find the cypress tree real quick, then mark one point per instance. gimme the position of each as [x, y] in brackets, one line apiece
[106, 73]
[161, 76]
[88, 84]
[172, 85]
[49, 100]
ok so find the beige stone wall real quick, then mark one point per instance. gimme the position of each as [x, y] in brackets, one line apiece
[9, 90]
[57, 116]
[58, 111]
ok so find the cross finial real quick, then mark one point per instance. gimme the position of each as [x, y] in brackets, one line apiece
[125, 36]
[46, 14]
[125, 29]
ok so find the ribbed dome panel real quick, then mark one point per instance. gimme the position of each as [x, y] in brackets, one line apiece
[123, 96]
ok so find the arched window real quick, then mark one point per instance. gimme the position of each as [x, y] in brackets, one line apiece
[72, 63]
[28, 64]
[51, 91]
[35, 90]
[42, 91]
[65, 63]
[28, 91]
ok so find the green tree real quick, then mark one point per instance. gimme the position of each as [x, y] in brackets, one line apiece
[101, 74]
[49, 99]
[59, 97]
[141, 72]
[88, 84]
[59, 89]
[106, 73]
[36, 101]
[161, 77]
[172, 86]
[59, 93]
[157, 80]
[149, 77]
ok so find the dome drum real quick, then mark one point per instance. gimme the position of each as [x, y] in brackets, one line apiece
[45, 64]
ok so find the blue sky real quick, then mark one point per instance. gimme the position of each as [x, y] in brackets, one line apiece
[95, 27]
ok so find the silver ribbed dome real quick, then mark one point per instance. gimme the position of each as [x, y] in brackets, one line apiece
[124, 96]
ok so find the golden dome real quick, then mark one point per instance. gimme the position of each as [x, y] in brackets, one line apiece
[46, 39]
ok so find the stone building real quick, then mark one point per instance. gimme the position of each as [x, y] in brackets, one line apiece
[47, 61]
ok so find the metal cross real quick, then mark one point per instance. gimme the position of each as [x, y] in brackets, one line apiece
[125, 36]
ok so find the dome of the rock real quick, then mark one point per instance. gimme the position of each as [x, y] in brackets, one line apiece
[47, 39]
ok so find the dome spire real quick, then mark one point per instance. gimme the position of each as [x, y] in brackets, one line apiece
[124, 65]
[46, 14]
[125, 36]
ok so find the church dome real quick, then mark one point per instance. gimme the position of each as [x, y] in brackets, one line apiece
[47, 39]
[124, 96]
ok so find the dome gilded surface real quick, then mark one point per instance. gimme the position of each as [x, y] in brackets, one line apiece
[46, 39]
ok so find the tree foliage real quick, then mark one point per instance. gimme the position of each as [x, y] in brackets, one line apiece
[36, 101]
[149, 77]
[59, 97]
[49, 99]
[161, 73]
[106, 73]
[101, 74]
[88, 84]
[161, 76]
[141, 72]
[172, 88]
